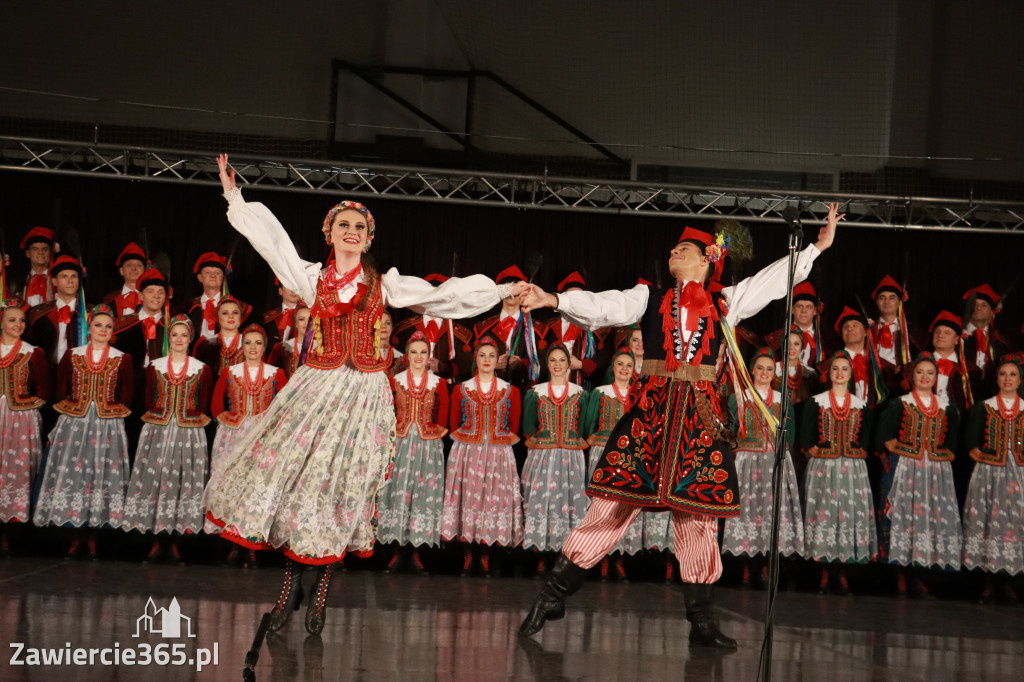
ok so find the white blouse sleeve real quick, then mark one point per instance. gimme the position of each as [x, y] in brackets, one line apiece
[751, 295]
[592, 310]
[455, 299]
[255, 222]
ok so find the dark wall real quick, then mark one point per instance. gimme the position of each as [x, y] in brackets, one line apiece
[420, 238]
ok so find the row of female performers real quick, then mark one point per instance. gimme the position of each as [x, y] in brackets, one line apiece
[481, 500]
[833, 522]
[83, 479]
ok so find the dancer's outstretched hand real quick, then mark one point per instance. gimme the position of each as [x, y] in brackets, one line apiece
[827, 234]
[533, 297]
[227, 175]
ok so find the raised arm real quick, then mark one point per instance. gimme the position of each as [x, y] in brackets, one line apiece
[751, 295]
[588, 309]
[256, 223]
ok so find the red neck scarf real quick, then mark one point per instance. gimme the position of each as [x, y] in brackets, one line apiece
[131, 300]
[210, 314]
[36, 286]
[149, 328]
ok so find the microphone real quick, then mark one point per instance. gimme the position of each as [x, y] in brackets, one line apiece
[791, 217]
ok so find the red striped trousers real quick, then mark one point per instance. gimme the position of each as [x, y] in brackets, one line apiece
[695, 539]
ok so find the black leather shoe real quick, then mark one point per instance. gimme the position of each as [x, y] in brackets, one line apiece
[291, 596]
[563, 579]
[700, 611]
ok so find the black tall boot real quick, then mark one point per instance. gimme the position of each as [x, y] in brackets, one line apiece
[291, 595]
[700, 611]
[316, 610]
[563, 579]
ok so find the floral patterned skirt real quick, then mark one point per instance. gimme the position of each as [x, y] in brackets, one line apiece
[751, 532]
[925, 518]
[20, 451]
[554, 500]
[411, 501]
[86, 473]
[166, 491]
[994, 518]
[223, 449]
[633, 541]
[483, 501]
[840, 522]
[657, 530]
[306, 479]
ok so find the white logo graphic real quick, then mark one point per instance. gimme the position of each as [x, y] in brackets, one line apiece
[165, 622]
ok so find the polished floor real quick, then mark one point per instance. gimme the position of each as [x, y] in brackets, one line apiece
[404, 627]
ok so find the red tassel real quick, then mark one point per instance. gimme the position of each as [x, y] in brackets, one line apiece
[667, 325]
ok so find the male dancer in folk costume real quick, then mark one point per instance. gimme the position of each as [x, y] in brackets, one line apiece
[669, 450]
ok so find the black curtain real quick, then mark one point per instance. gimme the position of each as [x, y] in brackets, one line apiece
[422, 238]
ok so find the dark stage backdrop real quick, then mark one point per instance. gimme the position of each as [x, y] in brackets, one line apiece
[421, 238]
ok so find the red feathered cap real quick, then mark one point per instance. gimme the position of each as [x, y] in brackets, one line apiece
[131, 252]
[510, 274]
[213, 260]
[66, 263]
[37, 234]
[947, 319]
[574, 278]
[440, 279]
[985, 293]
[151, 277]
[805, 292]
[849, 314]
[698, 237]
[889, 284]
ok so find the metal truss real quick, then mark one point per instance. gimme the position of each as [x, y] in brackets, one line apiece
[510, 190]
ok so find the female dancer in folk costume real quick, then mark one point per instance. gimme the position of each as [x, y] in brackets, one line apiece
[393, 358]
[670, 450]
[803, 383]
[85, 486]
[240, 399]
[835, 432]
[411, 502]
[750, 534]
[285, 354]
[555, 471]
[314, 465]
[24, 388]
[994, 511]
[166, 491]
[920, 429]
[483, 502]
[605, 405]
[223, 349]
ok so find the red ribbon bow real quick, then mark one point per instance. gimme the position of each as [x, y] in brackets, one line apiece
[505, 327]
[36, 286]
[860, 368]
[130, 300]
[149, 328]
[284, 320]
[810, 343]
[64, 315]
[432, 330]
[981, 340]
[339, 308]
[946, 367]
[210, 314]
[885, 339]
[697, 303]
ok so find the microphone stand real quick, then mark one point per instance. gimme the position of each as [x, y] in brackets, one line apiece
[791, 216]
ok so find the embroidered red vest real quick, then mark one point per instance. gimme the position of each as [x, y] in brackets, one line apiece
[610, 413]
[1001, 435]
[180, 402]
[485, 421]
[350, 337]
[419, 411]
[558, 426]
[244, 404]
[14, 384]
[919, 432]
[843, 437]
[99, 388]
